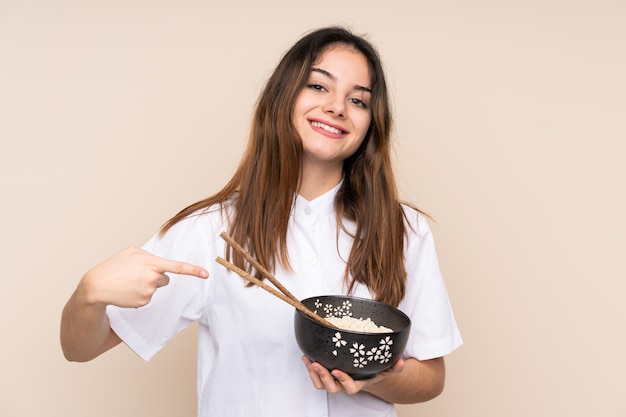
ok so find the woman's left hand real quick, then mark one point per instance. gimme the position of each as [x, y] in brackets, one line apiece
[337, 381]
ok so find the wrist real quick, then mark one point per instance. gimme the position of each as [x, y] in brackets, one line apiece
[86, 293]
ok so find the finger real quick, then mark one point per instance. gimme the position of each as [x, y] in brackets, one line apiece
[182, 268]
[315, 378]
[398, 366]
[348, 384]
[330, 383]
[395, 368]
[162, 281]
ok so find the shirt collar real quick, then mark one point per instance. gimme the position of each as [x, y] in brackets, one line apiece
[318, 207]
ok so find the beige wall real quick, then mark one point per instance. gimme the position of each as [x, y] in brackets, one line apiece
[510, 132]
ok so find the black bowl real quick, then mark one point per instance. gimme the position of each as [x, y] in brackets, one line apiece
[359, 354]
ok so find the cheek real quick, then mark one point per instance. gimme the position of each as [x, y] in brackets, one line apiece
[364, 124]
[297, 114]
[300, 106]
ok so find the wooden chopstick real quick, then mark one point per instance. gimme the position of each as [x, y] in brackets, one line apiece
[294, 302]
[257, 265]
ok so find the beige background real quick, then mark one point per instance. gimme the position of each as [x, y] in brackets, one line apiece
[510, 132]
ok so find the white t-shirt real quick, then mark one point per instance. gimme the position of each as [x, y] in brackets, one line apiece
[248, 361]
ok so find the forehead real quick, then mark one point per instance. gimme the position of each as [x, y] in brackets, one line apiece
[345, 61]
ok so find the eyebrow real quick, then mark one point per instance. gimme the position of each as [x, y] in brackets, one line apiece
[332, 77]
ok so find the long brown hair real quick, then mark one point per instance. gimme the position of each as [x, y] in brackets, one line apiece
[263, 187]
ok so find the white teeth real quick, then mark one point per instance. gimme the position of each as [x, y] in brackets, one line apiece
[327, 128]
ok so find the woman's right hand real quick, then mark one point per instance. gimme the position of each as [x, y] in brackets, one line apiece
[127, 279]
[130, 278]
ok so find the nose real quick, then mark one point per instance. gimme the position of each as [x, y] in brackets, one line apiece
[335, 105]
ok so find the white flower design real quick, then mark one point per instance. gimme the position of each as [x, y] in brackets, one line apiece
[386, 343]
[372, 354]
[385, 357]
[357, 350]
[362, 355]
[338, 341]
[359, 362]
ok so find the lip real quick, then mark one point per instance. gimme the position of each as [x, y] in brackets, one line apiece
[326, 132]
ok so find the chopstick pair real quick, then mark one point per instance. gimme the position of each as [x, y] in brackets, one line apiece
[284, 294]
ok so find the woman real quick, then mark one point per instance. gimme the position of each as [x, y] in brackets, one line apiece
[314, 199]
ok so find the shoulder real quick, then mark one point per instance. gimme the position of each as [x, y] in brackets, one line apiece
[215, 217]
[200, 229]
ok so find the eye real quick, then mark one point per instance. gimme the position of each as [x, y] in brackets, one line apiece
[358, 102]
[316, 87]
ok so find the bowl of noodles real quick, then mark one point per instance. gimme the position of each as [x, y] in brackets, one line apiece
[369, 336]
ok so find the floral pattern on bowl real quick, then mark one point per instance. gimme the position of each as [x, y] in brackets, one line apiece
[359, 354]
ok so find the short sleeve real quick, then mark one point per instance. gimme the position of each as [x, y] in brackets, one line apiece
[434, 331]
[173, 307]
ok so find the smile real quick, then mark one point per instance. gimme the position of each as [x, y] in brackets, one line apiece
[327, 128]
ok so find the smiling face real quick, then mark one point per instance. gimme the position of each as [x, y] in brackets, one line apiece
[332, 112]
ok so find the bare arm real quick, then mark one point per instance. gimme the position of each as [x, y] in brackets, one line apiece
[128, 279]
[407, 382]
[85, 330]
[418, 381]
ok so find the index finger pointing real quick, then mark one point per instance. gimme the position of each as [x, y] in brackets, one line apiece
[182, 268]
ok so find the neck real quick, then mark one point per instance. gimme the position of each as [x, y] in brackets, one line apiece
[317, 180]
